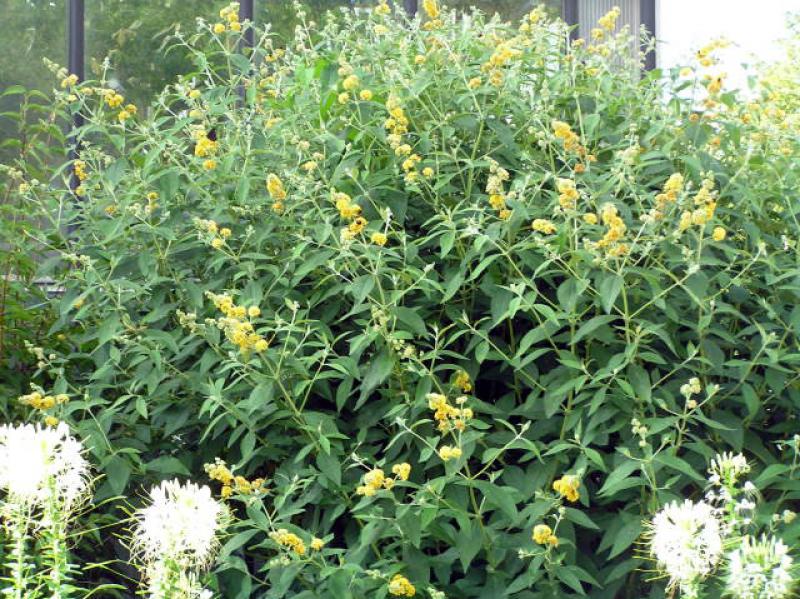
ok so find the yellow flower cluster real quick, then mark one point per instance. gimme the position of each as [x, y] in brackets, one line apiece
[126, 113]
[448, 416]
[544, 226]
[705, 202]
[397, 122]
[379, 238]
[237, 326]
[495, 187]
[719, 234]
[69, 81]
[448, 452]
[570, 139]
[400, 586]
[462, 381]
[79, 168]
[672, 189]
[567, 486]
[375, 479]
[276, 192]
[40, 401]
[615, 230]
[543, 535]
[219, 471]
[715, 83]
[289, 540]
[218, 236]
[203, 146]
[230, 14]
[608, 22]
[112, 98]
[705, 55]
[567, 193]
[504, 53]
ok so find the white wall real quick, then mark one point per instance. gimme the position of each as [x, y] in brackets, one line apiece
[755, 29]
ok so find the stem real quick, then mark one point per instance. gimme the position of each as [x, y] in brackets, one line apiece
[18, 518]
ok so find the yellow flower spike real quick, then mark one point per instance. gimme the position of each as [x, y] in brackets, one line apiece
[719, 234]
[447, 453]
[219, 28]
[379, 238]
[365, 95]
[462, 381]
[51, 421]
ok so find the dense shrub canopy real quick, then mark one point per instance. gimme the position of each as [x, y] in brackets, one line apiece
[425, 286]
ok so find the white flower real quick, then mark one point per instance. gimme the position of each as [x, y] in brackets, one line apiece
[686, 542]
[760, 569]
[181, 524]
[726, 468]
[39, 464]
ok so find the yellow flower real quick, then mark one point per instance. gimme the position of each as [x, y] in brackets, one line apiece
[590, 218]
[462, 381]
[427, 172]
[235, 26]
[261, 345]
[719, 234]
[275, 188]
[219, 28]
[542, 225]
[343, 98]
[69, 81]
[403, 471]
[567, 486]
[351, 83]
[365, 95]
[383, 9]
[446, 453]
[379, 238]
[419, 59]
[51, 421]
[123, 116]
[431, 8]
[289, 540]
[209, 164]
[568, 194]
[542, 533]
[400, 586]
[217, 243]
[317, 544]
[474, 83]
[609, 20]
[686, 72]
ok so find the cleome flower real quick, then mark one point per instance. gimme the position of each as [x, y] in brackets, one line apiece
[726, 468]
[759, 569]
[41, 464]
[181, 524]
[686, 542]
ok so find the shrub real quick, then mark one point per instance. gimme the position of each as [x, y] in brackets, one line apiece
[445, 307]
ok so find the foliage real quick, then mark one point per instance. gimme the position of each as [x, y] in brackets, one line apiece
[442, 307]
[24, 314]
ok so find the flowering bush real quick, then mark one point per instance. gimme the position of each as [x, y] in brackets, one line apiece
[442, 308]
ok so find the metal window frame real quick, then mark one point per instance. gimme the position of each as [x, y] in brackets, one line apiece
[76, 65]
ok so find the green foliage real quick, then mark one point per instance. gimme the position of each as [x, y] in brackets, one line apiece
[647, 322]
[24, 315]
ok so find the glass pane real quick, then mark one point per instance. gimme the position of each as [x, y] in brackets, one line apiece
[132, 33]
[510, 10]
[283, 18]
[33, 30]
